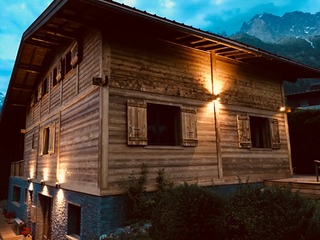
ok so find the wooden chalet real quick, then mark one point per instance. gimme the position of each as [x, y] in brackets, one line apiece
[103, 88]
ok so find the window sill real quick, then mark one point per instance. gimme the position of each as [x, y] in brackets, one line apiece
[164, 147]
[261, 149]
[73, 237]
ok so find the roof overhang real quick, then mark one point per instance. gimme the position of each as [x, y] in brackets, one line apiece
[63, 21]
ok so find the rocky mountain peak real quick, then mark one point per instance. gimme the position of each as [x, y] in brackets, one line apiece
[271, 28]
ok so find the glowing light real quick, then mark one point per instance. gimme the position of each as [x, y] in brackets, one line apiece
[45, 191]
[60, 198]
[30, 187]
[45, 174]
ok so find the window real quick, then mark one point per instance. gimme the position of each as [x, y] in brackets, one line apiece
[74, 220]
[44, 89]
[67, 62]
[47, 138]
[258, 132]
[32, 141]
[161, 125]
[46, 135]
[74, 57]
[16, 194]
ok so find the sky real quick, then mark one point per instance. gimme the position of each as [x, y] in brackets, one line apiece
[215, 16]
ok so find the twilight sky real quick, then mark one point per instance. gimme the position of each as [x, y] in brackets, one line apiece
[210, 15]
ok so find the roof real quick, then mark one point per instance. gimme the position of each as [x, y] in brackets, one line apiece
[63, 21]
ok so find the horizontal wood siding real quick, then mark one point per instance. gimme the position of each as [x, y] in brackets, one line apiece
[254, 91]
[155, 71]
[156, 67]
[73, 105]
[193, 164]
[91, 64]
[55, 97]
[31, 152]
[46, 166]
[247, 86]
[79, 136]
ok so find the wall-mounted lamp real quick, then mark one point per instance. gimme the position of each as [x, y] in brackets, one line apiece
[42, 182]
[284, 109]
[216, 97]
[29, 179]
[57, 185]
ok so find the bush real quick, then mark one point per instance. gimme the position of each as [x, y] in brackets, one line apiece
[271, 213]
[187, 212]
[135, 195]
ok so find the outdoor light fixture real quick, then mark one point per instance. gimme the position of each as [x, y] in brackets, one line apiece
[216, 97]
[284, 109]
[42, 182]
[57, 185]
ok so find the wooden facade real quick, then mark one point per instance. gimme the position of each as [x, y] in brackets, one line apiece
[90, 111]
[91, 146]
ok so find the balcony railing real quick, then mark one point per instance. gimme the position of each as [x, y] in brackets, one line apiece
[17, 168]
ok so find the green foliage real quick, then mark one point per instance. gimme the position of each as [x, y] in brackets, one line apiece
[164, 181]
[135, 193]
[271, 213]
[187, 212]
[132, 232]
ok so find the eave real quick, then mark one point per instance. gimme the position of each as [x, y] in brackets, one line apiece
[64, 20]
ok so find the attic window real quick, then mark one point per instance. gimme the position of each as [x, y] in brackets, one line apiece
[67, 62]
[44, 87]
[54, 77]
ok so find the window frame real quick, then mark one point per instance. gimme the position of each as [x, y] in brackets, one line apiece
[137, 124]
[245, 134]
[74, 221]
[16, 194]
[47, 140]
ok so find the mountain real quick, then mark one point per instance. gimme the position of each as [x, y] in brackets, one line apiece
[271, 28]
[295, 35]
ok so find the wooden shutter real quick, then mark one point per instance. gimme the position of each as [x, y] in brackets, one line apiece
[244, 134]
[41, 132]
[39, 92]
[274, 132]
[59, 71]
[189, 127]
[52, 131]
[137, 122]
[74, 55]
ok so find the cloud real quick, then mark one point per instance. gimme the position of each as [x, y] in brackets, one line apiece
[16, 16]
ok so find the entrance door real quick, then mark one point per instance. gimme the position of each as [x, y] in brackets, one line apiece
[46, 207]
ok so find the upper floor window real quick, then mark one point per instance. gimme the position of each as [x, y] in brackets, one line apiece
[47, 139]
[162, 125]
[258, 132]
[44, 87]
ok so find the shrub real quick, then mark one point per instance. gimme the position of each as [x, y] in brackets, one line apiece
[135, 195]
[187, 212]
[270, 213]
